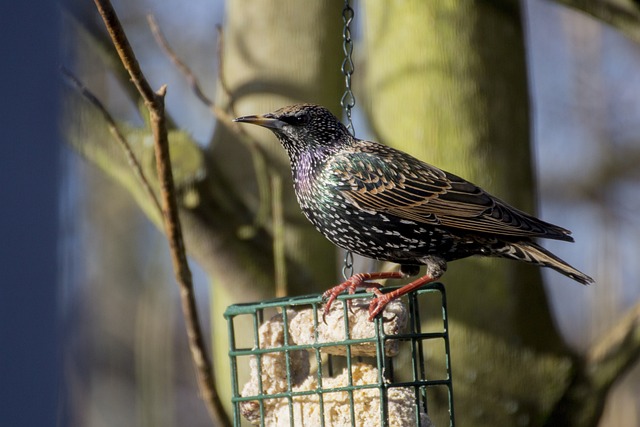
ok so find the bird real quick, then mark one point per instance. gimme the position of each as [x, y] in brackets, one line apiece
[385, 204]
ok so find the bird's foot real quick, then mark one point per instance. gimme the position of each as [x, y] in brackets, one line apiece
[360, 280]
[378, 303]
[381, 300]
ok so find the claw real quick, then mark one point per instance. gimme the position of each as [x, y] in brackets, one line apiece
[381, 300]
[350, 285]
[378, 304]
[354, 282]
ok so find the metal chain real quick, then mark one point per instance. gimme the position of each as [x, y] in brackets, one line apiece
[347, 266]
[348, 100]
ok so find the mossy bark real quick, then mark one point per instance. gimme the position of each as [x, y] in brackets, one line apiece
[447, 82]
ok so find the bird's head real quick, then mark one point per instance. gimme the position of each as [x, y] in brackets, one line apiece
[303, 127]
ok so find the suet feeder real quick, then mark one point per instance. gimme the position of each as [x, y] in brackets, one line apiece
[291, 368]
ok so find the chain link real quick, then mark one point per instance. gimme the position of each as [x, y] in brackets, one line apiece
[347, 265]
[348, 100]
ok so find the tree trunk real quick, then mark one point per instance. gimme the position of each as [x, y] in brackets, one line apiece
[447, 82]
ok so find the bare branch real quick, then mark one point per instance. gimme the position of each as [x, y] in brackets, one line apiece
[182, 67]
[263, 175]
[189, 76]
[115, 131]
[155, 103]
[221, 77]
[257, 154]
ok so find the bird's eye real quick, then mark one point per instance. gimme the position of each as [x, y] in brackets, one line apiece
[298, 119]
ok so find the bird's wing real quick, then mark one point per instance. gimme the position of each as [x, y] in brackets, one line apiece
[391, 182]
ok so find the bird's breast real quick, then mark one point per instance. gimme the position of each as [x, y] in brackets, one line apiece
[372, 234]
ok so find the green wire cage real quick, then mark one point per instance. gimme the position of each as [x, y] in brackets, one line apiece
[343, 370]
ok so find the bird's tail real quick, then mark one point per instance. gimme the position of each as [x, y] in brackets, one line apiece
[535, 254]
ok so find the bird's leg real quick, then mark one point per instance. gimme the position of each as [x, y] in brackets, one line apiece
[360, 280]
[381, 300]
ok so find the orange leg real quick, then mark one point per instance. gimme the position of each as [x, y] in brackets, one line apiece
[360, 280]
[381, 300]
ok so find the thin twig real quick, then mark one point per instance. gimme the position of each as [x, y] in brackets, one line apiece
[279, 246]
[268, 182]
[189, 76]
[221, 76]
[155, 103]
[263, 176]
[257, 154]
[182, 67]
[115, 131]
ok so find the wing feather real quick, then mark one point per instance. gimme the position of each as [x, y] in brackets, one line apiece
[377, 178]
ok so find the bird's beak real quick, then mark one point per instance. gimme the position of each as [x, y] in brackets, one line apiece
[267, 121]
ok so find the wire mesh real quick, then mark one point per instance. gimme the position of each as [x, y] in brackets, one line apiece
[285, 371]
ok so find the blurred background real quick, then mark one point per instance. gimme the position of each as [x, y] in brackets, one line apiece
[124, 355]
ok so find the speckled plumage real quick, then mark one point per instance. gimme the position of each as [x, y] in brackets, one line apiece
[385, 204]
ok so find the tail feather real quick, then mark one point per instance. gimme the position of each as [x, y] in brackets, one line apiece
[535, 254]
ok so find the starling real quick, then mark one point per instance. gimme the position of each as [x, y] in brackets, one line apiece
[385, 204]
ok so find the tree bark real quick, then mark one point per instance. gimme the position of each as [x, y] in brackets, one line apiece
[447, 82]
